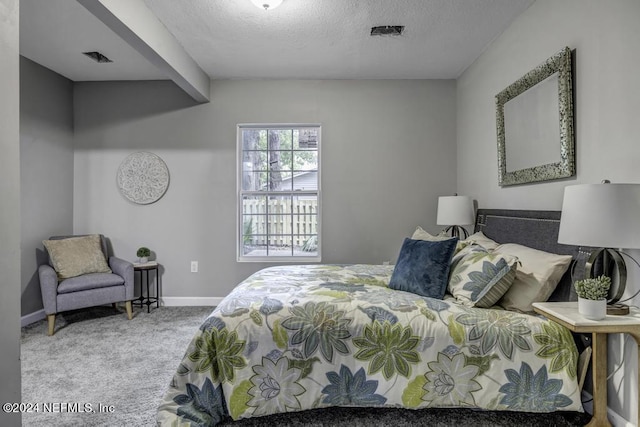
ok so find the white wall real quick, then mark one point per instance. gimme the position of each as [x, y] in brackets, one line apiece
[388, 151]
[46, 156]
[9, 210]
[605, 36]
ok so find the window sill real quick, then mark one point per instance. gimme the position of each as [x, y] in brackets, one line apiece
[281, 259]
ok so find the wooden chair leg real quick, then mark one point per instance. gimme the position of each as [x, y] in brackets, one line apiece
[52, 323]
[129, 310]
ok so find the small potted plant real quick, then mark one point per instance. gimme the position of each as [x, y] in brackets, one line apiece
[592, 297]
[143, 255]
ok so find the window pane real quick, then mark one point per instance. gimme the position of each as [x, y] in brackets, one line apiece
[308, 245]
[253, 224]
[305, 216]
[305, 139]
[279, 224]
[254, 166]
[274, 182]
[280, 139]
[305, 160]
[254, 181]
[280, 160]
[254, 161]
[305, 205]
[279, 209]
[254, 139]
[305, 181]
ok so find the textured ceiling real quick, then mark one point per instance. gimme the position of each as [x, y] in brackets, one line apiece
[302, 39]
[330, 38]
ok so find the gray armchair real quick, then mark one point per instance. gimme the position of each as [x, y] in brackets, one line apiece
[86, 290]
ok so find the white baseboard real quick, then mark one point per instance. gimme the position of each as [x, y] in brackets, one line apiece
[32, 318]
[616, 419]
[190, 301]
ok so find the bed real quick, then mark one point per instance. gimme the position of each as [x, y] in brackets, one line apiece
[292, 338]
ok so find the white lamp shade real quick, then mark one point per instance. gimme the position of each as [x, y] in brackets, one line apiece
[455, 210]
[266, 4]
[601, 216]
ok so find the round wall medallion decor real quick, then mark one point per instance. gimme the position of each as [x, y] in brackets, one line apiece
[143, 178]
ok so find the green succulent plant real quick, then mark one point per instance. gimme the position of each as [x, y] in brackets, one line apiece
[143, 252]
[593, 289]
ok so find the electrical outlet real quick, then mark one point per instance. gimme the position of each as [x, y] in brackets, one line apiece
[194, 266]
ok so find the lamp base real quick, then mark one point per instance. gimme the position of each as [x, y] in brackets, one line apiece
[617, 309]
[609, 256]
[456, 231]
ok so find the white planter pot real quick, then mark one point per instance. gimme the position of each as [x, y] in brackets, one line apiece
[592, 309]
[144, 260]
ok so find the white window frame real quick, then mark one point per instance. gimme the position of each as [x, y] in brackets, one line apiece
[240, 193]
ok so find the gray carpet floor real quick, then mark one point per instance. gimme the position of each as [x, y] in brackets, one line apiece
[98, 357]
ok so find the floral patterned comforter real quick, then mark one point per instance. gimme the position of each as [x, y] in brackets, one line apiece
[292, 338]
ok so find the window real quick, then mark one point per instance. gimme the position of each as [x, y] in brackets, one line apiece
[279, 192]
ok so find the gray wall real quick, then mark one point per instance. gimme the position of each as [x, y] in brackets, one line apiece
[46, 176]
[388, 151]
[9, 210]
[605, 36]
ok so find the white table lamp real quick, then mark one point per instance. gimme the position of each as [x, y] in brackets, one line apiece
[606, 217]
[454, 212]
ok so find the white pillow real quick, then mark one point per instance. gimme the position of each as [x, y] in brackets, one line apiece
[536, 278]
[480, 239]
[421, 234]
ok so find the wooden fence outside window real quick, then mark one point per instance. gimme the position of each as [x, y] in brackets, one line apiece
[279, 221]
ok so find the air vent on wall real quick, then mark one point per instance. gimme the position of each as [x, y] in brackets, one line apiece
[97, 56]
[387, 30]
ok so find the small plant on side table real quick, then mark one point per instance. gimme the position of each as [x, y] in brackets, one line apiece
[143, 253]
[593, 289]
[592, 297]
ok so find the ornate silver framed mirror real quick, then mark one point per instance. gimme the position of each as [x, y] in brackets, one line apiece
[534, 120]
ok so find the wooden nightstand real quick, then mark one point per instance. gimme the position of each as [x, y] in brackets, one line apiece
[566, 314]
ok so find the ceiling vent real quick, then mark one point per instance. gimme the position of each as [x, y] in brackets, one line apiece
[387, 30]
[97, 56]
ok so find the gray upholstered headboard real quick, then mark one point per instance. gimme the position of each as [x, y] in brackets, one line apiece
[535, 229]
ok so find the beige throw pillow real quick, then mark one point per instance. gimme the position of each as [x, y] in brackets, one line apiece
[75, 256]
[536, 278]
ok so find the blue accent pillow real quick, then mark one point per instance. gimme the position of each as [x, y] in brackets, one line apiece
[423, 267]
